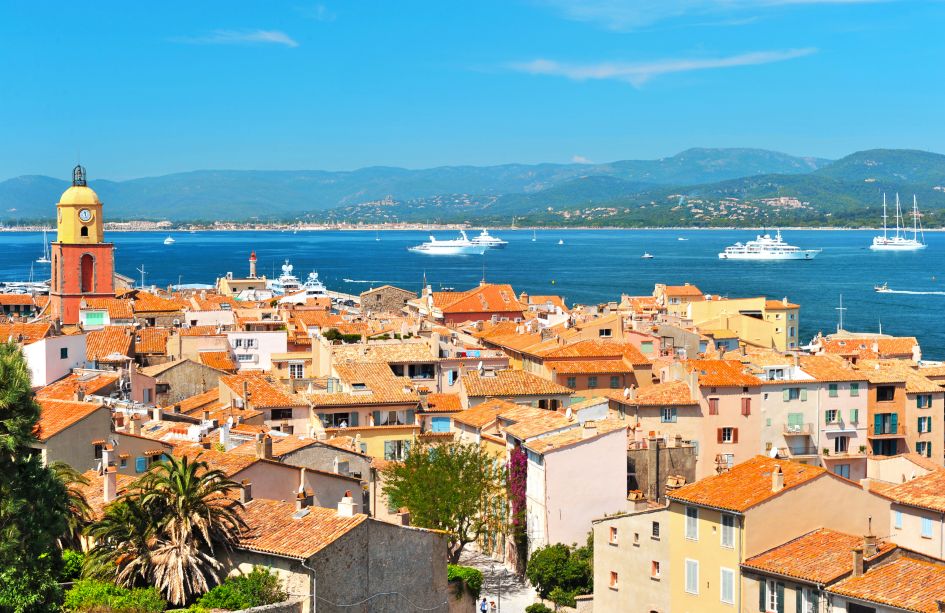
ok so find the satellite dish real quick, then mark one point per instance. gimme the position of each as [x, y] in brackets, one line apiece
[626, 392]
[569, 413]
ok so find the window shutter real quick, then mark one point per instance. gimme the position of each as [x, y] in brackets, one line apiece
[353, 421]
[787, 396]
[894, 422]
[321, 418]
[713, 406]
[799, 599]
[920, 424]
[814, 600]
[734, 435]
[411, 420]
[762, 600]
[855, 416]
[780, 597]
[141, 465]
[803, 394]
[377, 418]
[746, 406]
[877, 423]
[826, 418]
[718, 432]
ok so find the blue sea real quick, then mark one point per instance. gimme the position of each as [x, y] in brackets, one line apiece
[591, 266]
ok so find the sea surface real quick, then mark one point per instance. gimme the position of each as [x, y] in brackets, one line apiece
[591, 266]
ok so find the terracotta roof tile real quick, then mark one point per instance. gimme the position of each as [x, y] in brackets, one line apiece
[281, 445]
[66, 388]
[683, 290]
[99, 344]
[746, 484]
[598, 349]
[16, 300]
[443, 403]
[916, 383]
[117, 308]
[220, 360]
[483, 414]
[57, 415]
[263, 391]
[669, 393]
[871, 347]
[201, 331]
[197, 402]
[94, 491]
[146, 302]
[273, 527]
[821, 556]
[152, 341]
[721, 373]
[580, 367]
[829, 368]
[24, 333]
[510, 383]
[483, 299]
[562, 440]
[529, 422]
[906, 583]
[927, 491]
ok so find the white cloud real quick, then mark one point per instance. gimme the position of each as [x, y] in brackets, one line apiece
[580, 159]
[318, 12]
[242, 37]
[631, 14]
[638, 73]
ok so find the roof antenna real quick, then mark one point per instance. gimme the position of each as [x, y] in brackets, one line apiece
[141, 270]
[841, 309]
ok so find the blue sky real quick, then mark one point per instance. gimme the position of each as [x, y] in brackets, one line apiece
[147, 88]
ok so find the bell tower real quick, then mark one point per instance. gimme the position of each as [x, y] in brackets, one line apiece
[82, 262]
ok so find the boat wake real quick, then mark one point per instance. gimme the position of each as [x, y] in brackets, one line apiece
[910, 292]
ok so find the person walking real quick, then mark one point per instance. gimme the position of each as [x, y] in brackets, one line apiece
[483, 606]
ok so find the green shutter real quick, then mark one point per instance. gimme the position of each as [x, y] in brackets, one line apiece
[918, 401]
[798, 599]
[803, 394]
[854, 416]
[411, 420]
[353, 422]
[928, 450]
[832, 390]
[780, 597]
[919, 425]
[894, 423]
[815, 600]
[854, 389]
[377, 418]
[762, 584]
[878, 423]
[787, 395]
[826, 418]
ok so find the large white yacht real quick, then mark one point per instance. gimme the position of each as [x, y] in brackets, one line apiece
[764, 247]
[487, 240]
[312, 288]
[899, 241]
[458, 246]
[287, 283]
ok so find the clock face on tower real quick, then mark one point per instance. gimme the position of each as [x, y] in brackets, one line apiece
[85, 215]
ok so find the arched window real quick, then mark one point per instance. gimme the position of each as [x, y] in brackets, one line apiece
[84, 231]
[86, 273]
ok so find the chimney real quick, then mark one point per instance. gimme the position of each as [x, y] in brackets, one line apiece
[110, 484]
[346, 505]
[135, 422]
[79, 395]
[176, 408]
[246, 395]
[777, 479]
[263, 446]
[857, 561]
[246, 491]
[301, 501]
[870, 547]
[157, 414]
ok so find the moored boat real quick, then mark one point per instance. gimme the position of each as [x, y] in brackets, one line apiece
[767, 248]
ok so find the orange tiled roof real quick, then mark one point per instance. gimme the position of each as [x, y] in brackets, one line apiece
[529, 422]
[562, 440]
[683, 290]
[829, 368]
[109, 340]
[780, 305]
[57, 415]
[510, 383]
[555, 301]
[66, 388]
[16, 300]
[24, 333]
[906, 583]
[444, 403]
[263, 391]
[197, 402]
[916, 383]
[220, 360]
[580, 367]
[721, 373]
[821, 556]
[273, 527]
[746, 484]
[152, 341]
[926, 492]
[146, 302]
[485, 413]
[201, 331]
[227, 462]
[669, 393]
[212, 302]
[281, 445]
[598, 349]
[871, 347]
[485, 299]
[118, 308]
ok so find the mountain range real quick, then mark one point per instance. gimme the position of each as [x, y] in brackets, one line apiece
[701, 187]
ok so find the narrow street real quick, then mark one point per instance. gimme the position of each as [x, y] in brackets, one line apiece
[499, 584]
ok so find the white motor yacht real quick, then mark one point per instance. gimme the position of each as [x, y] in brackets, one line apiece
[487, 240]
[458, 246]
[766, 247]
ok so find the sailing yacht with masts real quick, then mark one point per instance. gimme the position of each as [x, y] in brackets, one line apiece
[900, 241]
[45, 258]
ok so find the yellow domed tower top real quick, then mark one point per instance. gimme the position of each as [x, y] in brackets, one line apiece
[79, 213]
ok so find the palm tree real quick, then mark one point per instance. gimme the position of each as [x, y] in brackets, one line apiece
[167, 530]
[79, 509]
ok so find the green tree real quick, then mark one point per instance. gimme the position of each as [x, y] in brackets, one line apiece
[33, 501]
[455, 487]
[167, 530]
[78, 507]
[559, 572]
[260, 587]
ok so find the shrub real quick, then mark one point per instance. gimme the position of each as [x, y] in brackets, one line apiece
[91, 595]
[71, 565]
[538, 607]
[560, 566]
[471, 578]
[260, 587]
[562, 597]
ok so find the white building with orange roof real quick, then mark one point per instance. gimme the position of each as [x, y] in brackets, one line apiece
[917, 514]
[515, 386]
[282, 410]
[49, 356]
[72, 431]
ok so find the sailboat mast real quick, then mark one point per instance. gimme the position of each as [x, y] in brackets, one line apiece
[884, 217]
[915, 219]
[898, 215]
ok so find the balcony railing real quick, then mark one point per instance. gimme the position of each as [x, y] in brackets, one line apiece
[796, 451]
[798, 429]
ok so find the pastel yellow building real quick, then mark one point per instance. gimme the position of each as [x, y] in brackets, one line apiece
[756, 321]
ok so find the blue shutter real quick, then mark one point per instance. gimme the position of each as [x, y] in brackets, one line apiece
[141, 465]
[411, 419]
[762, 604]
[894, 423]
[878, 423]
[353, 421]
[377, 418]
[441, 424]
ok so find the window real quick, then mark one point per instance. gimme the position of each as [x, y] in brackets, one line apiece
[296, 371]
[396, 450]
[746, 406]
[854, 416]
[692, 576]
[604, 333]
[924, 448]
[728, 531]
[897, 522]
[237, 343]
[123, 463]
[646, 347]
[141, 465]
[727, 585]
[832, 390]
[795, 422]
[772, 595]
[613, 535]
[668, 415]
[840, 444]
[692, 523]
[97, 451]
[592, 381]
[713, 406]
[811, 601]
[728, 460]
[571, 382]
[615, 382]
[146, 396]
[162, 388]
[394, 418]
[842, 470]
[280, 414]
[655, 530]
[885, 393]
[535, 458]
[339, 420]
[792, 393]
[636, 539]
[440, 424]
[244, 357]
[923, 401]
[613, 580]
[885, 423]
[854, 389]
[64, 353]
[84, 232]
[925, 424]
[654, 570]
[790, 331]
[926, 528]
[728, 435]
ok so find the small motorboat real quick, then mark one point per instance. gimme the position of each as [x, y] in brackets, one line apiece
[560, 241]
[169, 241]
[682, 239]
[883, 289]
[647, 256]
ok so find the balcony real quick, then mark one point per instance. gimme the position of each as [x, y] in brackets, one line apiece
[798, 429]
[800, 451]
[850, 454]
[887, 431]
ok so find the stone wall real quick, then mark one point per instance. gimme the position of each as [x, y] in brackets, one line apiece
[650, 468]
[387, 299]
[461, 601]
[289, 606]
